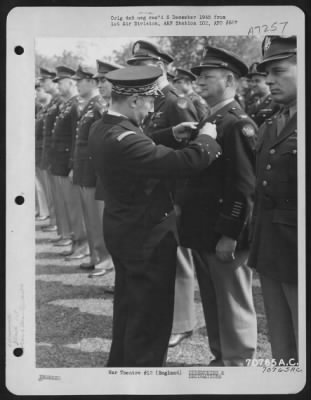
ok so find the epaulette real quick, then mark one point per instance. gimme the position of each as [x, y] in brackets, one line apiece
[238, 113]
[124, 135]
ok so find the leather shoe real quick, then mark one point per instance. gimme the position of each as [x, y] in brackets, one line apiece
[63, 242]
[100, 272]
[73, 256]
[42, 217]
[216, 363]
[175, 339]
[87, 266]
[109, 289]
[49, 228]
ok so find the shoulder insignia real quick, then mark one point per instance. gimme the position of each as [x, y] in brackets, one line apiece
[248, 130]
[182, 103]
[124, 135]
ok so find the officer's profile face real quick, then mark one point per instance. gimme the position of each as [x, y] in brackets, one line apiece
[282, 80]
[47, 84]
[65, 86]
[259, 84]
[85, 86]
[212, 83]
[182, 86]
[104, 87]
[144, 106]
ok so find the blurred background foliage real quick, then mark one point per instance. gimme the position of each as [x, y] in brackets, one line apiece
[186, 50]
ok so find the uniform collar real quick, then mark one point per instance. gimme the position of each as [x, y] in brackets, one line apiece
[218, 106]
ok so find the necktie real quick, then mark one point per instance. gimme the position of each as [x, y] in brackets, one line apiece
[282, 120]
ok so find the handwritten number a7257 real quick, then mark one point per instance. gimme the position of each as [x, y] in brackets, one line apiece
[264, 29]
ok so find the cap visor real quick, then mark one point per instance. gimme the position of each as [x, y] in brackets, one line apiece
[262, 65]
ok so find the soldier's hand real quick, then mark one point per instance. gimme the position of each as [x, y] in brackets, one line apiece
[184, 130]
[208, 129]
[70, 175]
[225, 249]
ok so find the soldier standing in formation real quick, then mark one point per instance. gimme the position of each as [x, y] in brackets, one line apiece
[46, 82]
[139, 219]
[83, 173]
[263, 106]
[169, 110]
[274, 246]
[216, 211]
[63, 134]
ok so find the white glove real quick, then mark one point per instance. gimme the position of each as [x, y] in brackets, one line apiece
[208, 129]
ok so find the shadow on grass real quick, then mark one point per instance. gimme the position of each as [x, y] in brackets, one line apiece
[60, 357]
[62, 325]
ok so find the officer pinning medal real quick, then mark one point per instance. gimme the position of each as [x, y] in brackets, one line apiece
[170, 179]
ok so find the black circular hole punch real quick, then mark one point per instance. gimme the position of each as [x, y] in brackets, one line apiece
[19, 50]
[18, 352]
[19, 200]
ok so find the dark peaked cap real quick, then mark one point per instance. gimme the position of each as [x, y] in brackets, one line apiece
[276, 48]
[143, 50]
[135, 80]
[46, 73]
[83, 72]
[63, 72]
[254, 71]
[184, 74]
[214, 57]
[103, 67]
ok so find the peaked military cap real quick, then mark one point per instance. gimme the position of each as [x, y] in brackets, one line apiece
[170, 75]
[46, 73]
[135, 80]
[254, 71]
[63, 72]
[184, 74]
[83, 72]
[276, 48]
[103, 67]
[143, 50]
[214, 57]
[37, 84]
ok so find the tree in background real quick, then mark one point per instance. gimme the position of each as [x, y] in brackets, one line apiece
[187, 50]
[68, 58]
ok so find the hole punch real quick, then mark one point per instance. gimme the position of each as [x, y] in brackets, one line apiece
[18, 352]
[19, 200]
[19, 50]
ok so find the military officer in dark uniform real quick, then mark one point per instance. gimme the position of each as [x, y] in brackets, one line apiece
[63, 136]
[216, 212]
[264, 106]
[274, 245]
[139, 219]
[83, 173]
[183, 83]
[169, 110]
[56, 223]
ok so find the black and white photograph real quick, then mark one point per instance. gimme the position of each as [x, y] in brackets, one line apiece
[162, 242]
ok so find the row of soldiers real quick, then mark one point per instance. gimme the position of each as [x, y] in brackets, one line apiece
[89, 163]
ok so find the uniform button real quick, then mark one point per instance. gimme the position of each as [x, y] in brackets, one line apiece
[272, 151]
[221, 201]
[77, 136]
[264, 183]
[294, 151]
[268, 167]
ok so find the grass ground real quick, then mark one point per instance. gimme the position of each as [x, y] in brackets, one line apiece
[74, 316]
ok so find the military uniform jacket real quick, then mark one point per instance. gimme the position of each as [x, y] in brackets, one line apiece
[274, 244]
[169, 110]
[63, 135]
[51, 113]
[133, 171]
[262, 109]
[219, 200]
[39, 125]
[200, 105]
[83, 169]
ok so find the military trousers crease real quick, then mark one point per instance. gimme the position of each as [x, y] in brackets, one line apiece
[143, 306]
[93, 215]
[184, 306]
[71, 208]
[226, 293]
[49, 196]
[281, 306]
[41, 196]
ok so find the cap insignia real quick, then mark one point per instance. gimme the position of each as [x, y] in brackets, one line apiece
[267, 43]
